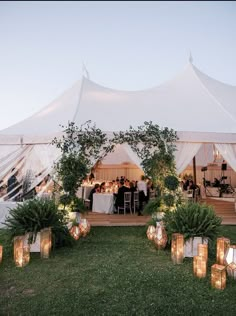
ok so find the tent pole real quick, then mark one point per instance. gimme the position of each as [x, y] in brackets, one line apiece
[194, 170]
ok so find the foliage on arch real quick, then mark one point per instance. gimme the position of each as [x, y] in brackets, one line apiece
[81, 147]
[155, 147]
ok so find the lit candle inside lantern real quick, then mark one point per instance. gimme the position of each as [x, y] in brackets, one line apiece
[202, 250]
[218, 276]
[1, 252]
[199, 266]
[177, 248]
[160, 236]
[221, 248]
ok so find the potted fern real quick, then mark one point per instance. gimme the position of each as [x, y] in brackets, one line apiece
[30, 217]
[197, 222]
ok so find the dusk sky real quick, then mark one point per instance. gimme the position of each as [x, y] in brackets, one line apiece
[124, 46]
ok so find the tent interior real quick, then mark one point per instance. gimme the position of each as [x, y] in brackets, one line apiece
[200, 108]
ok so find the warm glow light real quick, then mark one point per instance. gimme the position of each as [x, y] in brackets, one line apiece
[177, 248]
[199, 266]
[45, 242]
[218, 276]
[75, 232]
[222, 246]
[84, 227]
[202, 250]
[151, 232]
[1, 252]
[230, 256]
[19, 258]
[160, 237]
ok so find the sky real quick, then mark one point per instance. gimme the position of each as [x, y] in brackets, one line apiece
[124, 45]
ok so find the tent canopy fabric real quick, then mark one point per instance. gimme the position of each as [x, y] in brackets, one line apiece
[192, 102]
[201, 110]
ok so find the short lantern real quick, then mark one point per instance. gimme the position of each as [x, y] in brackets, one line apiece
[21, 253]
[230, 255]
[84, 227]
[231, 270]
[1, 252]
[177, 248]
[45, 242]
[202, 250]
[222, 246]
[199, 266]
[151, 231]
[160, 238]
[75, 232]
[218, 276]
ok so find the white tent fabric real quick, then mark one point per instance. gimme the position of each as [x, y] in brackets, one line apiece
[184, 154]
[201, 110]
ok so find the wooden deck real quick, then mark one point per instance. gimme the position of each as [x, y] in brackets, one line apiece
[223, 208]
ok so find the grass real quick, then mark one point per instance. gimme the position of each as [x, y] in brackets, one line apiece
[113, 271]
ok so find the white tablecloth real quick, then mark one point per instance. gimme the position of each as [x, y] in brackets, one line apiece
[103, 203]
[4, 211]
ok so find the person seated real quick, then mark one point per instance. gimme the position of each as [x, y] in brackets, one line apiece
[216, 183]
[95, 189]
[185, 184]
[103, 187]
[120, 195]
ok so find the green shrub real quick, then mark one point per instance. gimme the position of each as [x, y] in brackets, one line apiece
[33, 215]
[72, 203]
[171, 182]
[152, 206]
[169, 199]
[192, 219]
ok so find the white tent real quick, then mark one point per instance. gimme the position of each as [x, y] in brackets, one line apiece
[201, 109]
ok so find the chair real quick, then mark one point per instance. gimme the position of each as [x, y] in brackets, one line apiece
[152, 195]
[190, 195]
[136, 201]
[127, 203]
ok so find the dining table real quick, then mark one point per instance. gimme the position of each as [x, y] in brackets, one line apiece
[103, 203]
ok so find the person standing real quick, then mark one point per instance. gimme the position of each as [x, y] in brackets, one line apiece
[142, 188]
[12, 182]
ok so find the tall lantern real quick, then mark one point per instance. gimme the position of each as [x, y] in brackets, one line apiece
[177, 248]
[1, 251]
[45, 242]
[218, 276]
[160, 238]
[202, 250]
[199, 266]
[222, 246]
[21, 253]
[151, 232]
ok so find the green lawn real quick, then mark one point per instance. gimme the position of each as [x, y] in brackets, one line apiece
[113, 271]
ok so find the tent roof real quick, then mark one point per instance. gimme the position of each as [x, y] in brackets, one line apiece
[191, 102]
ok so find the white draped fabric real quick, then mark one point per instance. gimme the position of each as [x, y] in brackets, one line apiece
[184, 154]
[133, 156]
[228, 151]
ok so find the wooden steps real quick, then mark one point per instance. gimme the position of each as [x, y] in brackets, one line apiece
[100, 219]
[222, 208]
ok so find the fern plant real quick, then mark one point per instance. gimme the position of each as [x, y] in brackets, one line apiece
[192, 219]
[33, 215]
